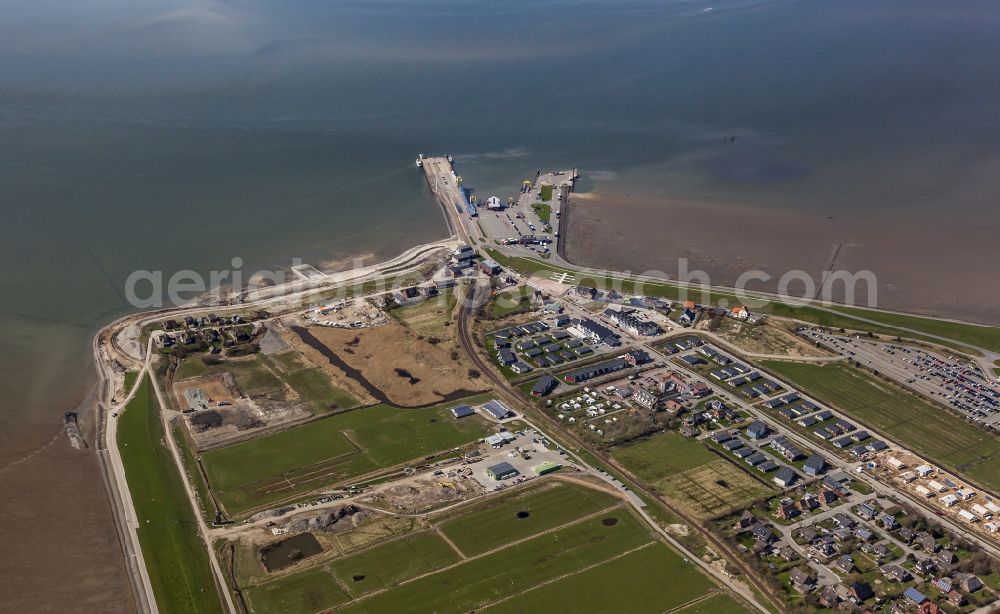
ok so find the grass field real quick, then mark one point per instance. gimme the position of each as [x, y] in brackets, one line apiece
[332, 450]
[314, 387]
[312, 590]
[561, 564]
[716, 604]
[690, 474]
[176, 558]
[130, 380]
[612, 585]
[544, 212]
[926, 428]
[555, 504]
[507, 572]
[428, 317]
[194, 475]
[512, 302]
[653, 458]
[390, 563]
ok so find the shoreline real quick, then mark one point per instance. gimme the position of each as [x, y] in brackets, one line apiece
[286, 294]
[724, 240]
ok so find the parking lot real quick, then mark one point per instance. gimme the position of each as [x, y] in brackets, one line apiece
[947, 380]
[524, 452]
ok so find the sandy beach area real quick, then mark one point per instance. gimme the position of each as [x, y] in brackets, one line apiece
[924, 263]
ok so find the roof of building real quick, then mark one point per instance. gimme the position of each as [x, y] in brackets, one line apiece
[462, 411]
[545, 384]
[497, 409]
[785, 475]
[814, 462]
[914, 595]
[501, 468]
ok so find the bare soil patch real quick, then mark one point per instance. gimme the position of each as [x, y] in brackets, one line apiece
[419, 495]
[217, 388]
[407, 370]
[238, 417]
[772, 337]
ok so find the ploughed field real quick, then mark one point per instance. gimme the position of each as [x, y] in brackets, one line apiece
[551, 546]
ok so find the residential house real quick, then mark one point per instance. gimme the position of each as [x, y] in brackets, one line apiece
[861, 591]
[845, 564]
[956, 598]
[895, 573]
[757, 430]
[803, 581]
[867, 511]
[968, 582]
[888, 522]
[814, 465]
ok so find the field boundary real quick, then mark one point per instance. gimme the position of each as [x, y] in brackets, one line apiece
[650, 544]
[500, 548]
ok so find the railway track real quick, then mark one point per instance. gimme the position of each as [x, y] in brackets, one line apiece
[503, 388]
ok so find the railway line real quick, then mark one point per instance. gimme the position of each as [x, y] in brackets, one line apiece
[503, 388]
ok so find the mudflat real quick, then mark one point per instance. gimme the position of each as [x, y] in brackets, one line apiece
[924, 262]
[61, 549]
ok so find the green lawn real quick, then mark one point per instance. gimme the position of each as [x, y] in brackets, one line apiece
[314, 387]
[313, 590]
[194, 474]
[321, 453]
[544, 212]
[478, 582]
[192, 366]
[176, 557]
[662, 455]
[928, 429]
[548, 507]
[512, 302]
[240, 464]
[130, 379]
[649, 581]
[546, 191]
[390, 563]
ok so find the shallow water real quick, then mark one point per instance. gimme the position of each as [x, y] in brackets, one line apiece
[180, 135]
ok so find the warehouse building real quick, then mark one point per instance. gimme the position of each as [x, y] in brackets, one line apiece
[547, 467]
[498, 410]
[501, 471]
